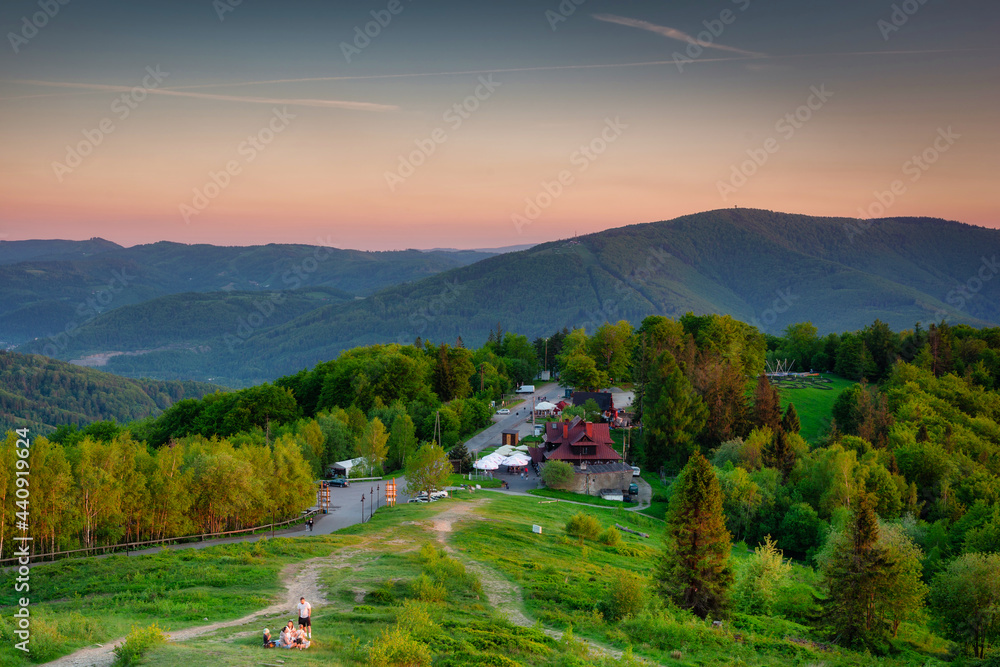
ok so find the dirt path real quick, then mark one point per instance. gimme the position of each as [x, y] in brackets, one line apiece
[301, 580]
[502, 594]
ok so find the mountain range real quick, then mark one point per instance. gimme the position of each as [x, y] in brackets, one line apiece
[769, 269]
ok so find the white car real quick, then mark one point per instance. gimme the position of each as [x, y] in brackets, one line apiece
[635, 471]
[503, 411]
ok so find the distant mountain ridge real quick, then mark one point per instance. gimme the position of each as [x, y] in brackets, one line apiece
[769, 269]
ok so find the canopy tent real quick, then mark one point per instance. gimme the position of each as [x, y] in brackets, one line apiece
[545, 406]
[518, 459]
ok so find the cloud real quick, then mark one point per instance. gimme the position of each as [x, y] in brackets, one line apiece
[672, 33]
[301, 102]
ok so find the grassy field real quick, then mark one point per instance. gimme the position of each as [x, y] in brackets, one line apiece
[458, 583]
[577, 497]
[813, 402]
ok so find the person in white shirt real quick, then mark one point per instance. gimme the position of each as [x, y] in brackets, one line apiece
[305, 616]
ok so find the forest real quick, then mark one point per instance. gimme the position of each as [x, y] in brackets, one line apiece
[896, 503]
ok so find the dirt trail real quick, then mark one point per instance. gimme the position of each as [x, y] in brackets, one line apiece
[301, 580]
[502, 594]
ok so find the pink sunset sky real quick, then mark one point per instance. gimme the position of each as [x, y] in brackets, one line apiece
[259, 131]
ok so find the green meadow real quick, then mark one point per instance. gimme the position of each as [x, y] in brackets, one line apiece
[460, 582]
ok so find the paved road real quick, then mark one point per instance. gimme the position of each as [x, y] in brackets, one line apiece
[518, 417]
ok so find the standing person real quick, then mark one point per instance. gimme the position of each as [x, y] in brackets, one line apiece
[305, 616]
[310, 524]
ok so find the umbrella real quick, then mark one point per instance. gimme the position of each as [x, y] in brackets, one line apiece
[485, 464]
[515, 460]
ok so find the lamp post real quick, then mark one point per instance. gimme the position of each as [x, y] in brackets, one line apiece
[371, 505]
[362, 508]
[378, 495]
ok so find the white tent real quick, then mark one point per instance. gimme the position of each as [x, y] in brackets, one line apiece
[545, 406]
[486, 464]
[516, 459]
[503, 451]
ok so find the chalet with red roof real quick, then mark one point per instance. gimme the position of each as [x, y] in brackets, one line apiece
[588, 448]
[578, 441]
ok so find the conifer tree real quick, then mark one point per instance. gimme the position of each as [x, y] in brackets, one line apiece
[854, 573]
[695, 571]
[674, 414]
[779, 453]
[790, 422]
[766, 404]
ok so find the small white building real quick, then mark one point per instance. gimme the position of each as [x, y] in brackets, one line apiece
[343, 468]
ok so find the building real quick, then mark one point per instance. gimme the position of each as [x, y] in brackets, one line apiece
[604, 401]
[588, 448]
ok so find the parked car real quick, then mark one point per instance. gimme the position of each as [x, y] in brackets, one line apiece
[418, 500]
[635, 471]
[503, 411]
[340, 481]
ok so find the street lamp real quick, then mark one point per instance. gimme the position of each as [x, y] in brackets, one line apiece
[371, 505]
[362, 508]
[378, 495]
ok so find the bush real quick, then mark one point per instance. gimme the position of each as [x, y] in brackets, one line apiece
[424, 589]
[626, 598]
[583, 525]
[138, 642]
[396, 648]
[610, 537]
[557, 474]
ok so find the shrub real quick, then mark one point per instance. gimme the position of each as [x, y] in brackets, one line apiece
[584, 526]
[610, 537]
[382, 595]
[396, 648]
[138, 642]
[557, 474]
[759, 579]
[424, 589]
[626, 598]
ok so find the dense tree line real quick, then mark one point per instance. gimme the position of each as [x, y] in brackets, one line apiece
[91, 492]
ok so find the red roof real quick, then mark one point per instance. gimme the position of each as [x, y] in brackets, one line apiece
[579, 441]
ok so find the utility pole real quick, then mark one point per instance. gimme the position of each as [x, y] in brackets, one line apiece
[362, 508]
[437, 427]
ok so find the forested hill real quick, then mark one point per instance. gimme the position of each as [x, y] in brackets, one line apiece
[768, 269]
[46, 286]
[43, 393]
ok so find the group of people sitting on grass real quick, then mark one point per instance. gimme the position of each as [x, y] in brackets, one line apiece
[290, 637]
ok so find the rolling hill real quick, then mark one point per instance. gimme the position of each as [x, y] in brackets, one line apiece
[48, 286]
[43, 393]
[769, 269]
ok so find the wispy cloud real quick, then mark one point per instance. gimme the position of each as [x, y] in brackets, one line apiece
[672, 33]
[294, 101]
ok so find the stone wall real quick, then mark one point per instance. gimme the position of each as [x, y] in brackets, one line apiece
[590, 484]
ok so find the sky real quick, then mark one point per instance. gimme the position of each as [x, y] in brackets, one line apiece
[414, 124]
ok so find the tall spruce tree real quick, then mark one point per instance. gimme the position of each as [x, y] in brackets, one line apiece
[766, 404]
[790, 422]
[674, 414]
[695, 571]
[855, 571]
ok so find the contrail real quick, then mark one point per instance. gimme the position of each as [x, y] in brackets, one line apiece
[672, 33]
[302, 102]
[494, 70]
[548, 68]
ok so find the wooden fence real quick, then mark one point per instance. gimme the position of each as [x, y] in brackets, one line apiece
[135, 546]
